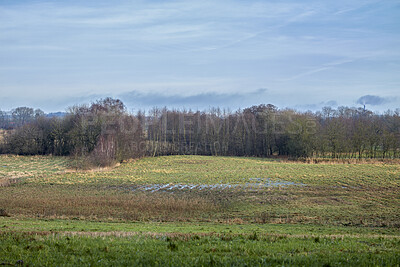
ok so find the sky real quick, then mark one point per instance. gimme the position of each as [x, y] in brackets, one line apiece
[198, 54]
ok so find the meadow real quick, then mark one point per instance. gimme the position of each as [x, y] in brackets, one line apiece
[212, 210]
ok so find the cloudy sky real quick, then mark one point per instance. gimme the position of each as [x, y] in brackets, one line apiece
[195, 54]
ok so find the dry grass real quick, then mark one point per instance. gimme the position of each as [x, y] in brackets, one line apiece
[95, 203]
[5, 182]
[342, 161]
[174, 236]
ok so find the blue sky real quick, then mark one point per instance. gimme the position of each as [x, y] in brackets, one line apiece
[195, 54]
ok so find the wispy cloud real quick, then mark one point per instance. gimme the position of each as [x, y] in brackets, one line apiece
[198, 101]
[354, 6]
[307, 73]
[324, 67]
[193, 48]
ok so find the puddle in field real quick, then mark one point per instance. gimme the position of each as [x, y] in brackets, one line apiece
[255, 183]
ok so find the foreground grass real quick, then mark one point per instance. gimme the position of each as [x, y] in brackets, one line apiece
[197, 250]
[73, 243]
[15, 224]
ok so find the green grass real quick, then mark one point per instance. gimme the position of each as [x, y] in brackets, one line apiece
[212, 170]
[337, 214]
[201, 169]
[195, 250]
[31, 167]
[57, 225]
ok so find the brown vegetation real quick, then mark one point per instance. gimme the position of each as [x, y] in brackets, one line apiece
[95, 203]
[3, 213]
[4, 182]
[342, 160]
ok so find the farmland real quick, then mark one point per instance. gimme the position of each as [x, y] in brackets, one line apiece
[222, 210]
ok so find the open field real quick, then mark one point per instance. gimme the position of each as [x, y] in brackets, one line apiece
[196, 188]
[224, 210]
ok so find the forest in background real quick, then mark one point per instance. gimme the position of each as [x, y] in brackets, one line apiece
[104, 132]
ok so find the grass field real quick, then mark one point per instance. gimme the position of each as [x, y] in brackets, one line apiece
[215, 210]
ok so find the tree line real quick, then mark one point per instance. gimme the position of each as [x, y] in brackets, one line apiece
[18, 117]
[104, 132]
[99, 134]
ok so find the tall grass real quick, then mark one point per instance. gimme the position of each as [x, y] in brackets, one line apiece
[89, 203]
